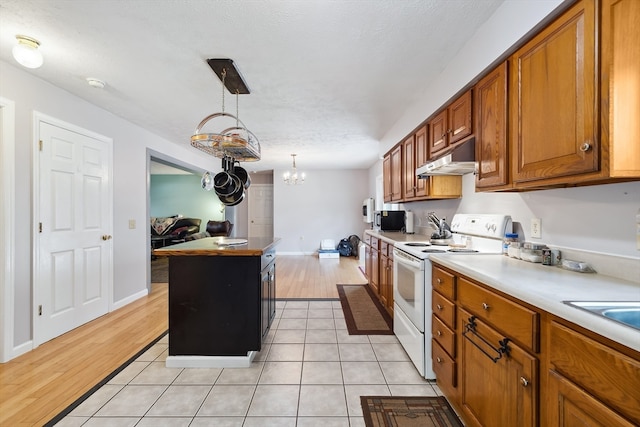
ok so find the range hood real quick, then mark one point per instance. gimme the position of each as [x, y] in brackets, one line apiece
[459, 161]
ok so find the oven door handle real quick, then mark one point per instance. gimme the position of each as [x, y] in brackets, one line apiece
[407, 260]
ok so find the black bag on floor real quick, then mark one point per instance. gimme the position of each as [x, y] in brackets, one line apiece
[349, 246]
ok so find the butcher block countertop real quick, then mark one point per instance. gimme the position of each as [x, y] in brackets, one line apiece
[215, 246]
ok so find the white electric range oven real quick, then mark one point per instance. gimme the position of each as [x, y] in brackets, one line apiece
[471, 233]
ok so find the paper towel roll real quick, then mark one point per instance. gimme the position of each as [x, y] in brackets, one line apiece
[408, 222]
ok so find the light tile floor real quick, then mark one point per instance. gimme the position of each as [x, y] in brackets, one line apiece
[310, 372]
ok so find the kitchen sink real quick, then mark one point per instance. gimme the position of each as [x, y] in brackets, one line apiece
[627, 312]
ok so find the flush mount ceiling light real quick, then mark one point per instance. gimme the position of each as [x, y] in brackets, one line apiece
[292, 177]
[236, 142]
[96, 83]
[26, 52]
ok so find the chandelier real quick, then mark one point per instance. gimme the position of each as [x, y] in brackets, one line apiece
[292, 177]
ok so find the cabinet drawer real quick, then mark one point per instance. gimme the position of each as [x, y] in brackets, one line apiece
[444, 282]
[385, 248]
[510, 318]
[444, 309]
[443, 335]
[375, 243]
[443, 366]
[605, 373]
[367, 238]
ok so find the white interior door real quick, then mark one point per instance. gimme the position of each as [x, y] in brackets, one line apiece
[261, 210]
[74, 226]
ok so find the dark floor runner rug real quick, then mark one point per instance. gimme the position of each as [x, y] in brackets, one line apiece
[363, 313]
[160, 270]
[387, 411]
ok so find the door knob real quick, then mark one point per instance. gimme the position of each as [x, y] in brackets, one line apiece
[106, 237]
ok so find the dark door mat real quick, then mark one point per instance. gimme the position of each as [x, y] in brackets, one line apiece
[387, 411]
[363, 313]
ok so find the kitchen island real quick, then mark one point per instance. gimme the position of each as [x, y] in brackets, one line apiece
[221, 300]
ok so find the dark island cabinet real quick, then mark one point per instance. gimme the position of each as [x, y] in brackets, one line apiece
[220, 305]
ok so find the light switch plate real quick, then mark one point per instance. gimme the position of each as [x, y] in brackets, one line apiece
[132, 224]
[536, 228]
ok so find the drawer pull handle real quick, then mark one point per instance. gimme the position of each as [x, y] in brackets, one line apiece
[470, 330]
[438, 306]
[524, 381]
[485, 306]
[438, 359]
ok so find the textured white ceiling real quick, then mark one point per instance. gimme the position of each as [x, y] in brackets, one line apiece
[327, 78]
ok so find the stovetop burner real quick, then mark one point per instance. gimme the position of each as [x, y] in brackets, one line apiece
[419, 244]
[434, 251]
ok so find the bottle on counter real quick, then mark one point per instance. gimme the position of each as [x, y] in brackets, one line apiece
[508, 239]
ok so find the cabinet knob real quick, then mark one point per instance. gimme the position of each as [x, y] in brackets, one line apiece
[585, 147]
[438, 359]
[439, 281]
[439, 333]
[485, 306]
[524, 381]
[438, 306]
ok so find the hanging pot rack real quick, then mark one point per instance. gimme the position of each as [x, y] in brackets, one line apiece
[237, 141]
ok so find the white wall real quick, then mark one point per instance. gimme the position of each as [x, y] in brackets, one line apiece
[327, 206]
[130, 176]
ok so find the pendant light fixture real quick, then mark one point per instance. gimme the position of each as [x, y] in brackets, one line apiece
[236, 142]
[26, 52]
[293, 177]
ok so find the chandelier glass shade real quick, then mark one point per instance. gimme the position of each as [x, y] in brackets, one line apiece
[292, 177]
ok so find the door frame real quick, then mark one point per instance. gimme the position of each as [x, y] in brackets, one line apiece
[39, 118]
[7, 228]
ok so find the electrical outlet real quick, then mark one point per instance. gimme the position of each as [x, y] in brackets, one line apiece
[132, 224]
[536, 228]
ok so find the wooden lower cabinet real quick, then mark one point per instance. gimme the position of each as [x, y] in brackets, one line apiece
[571, 406]
[379, 270]
[569, 377]
[496, 392]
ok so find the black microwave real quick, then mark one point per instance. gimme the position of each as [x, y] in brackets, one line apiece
[390, 220]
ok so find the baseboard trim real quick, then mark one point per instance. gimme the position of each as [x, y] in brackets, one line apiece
[130, 299]
[211, 361]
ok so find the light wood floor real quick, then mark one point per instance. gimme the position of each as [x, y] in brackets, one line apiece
[37, 386]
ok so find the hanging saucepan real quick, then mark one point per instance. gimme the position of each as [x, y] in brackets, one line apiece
[241, 173]
[226, 184]
[234, 198]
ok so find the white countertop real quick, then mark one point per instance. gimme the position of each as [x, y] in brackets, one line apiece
[547, 287]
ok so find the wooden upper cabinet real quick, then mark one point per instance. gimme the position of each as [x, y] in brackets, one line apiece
[490, 95]
[438, 140]
[553, 103]
[386, 177]
[620, 83]
[451, 125]
[409, 169]
[396, 173]
[460, 118]
[422, 157]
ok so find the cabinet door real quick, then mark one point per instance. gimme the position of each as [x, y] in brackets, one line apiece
[491, 129]
[501, 393]
[396, 173]
[570, 406]
[386, 177]
[459, 116]
[553, 118]
[620, 79]
[422, 157]
[385, 284]
[438, 140]
[409, 168]
[374, 279]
